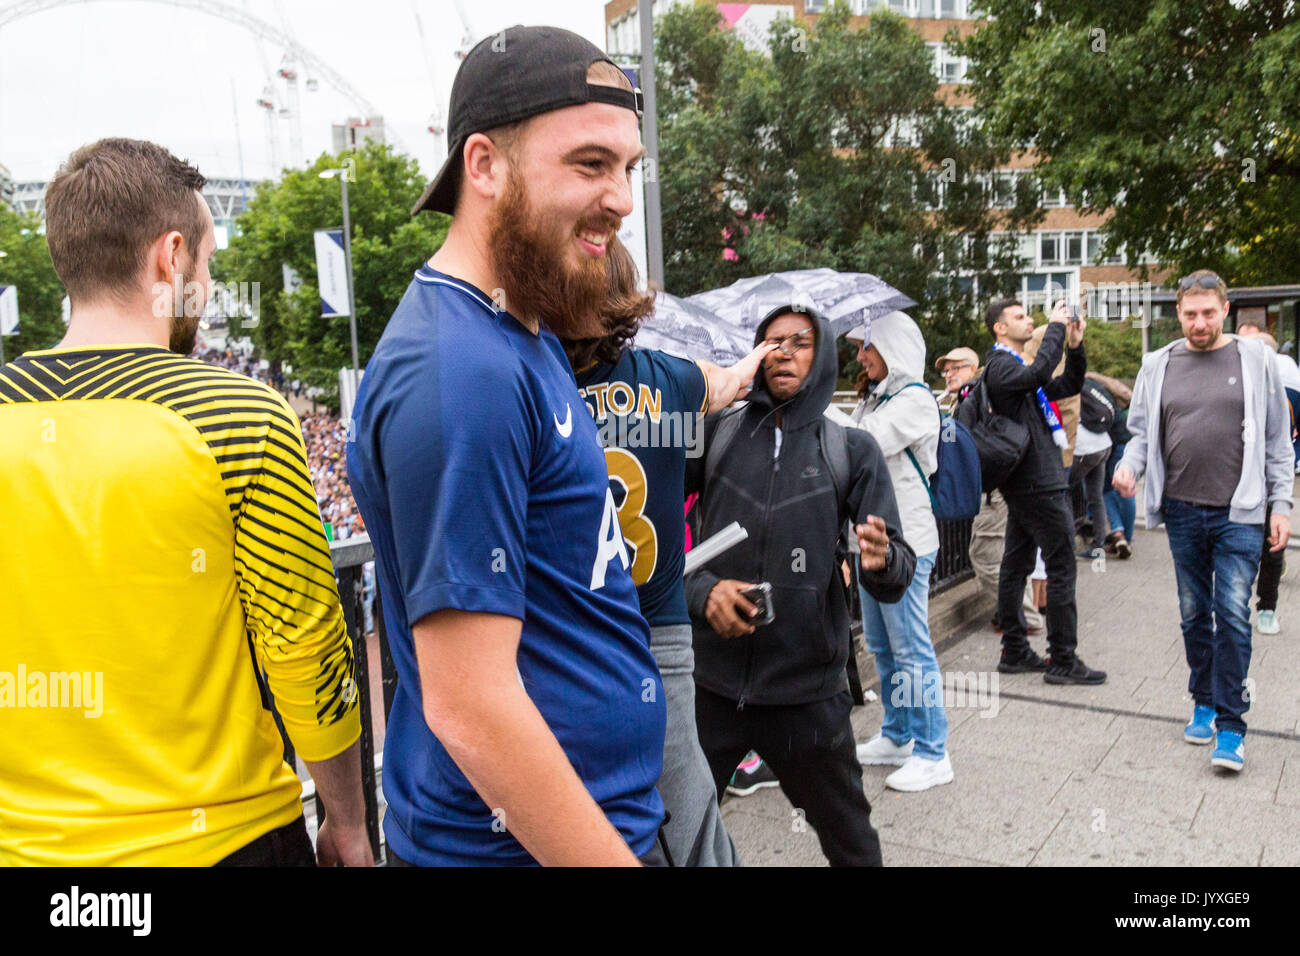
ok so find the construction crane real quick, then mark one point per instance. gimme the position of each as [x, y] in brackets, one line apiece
[266, 103]
[437, 124]
[293, 110]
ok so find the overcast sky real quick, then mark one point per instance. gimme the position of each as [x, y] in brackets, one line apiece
[162, 71]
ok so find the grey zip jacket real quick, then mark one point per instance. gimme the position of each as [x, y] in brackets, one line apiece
[1267, 465]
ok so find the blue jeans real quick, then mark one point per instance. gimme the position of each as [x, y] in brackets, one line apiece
[911, 687]
[1215, 561]
[1121, 512]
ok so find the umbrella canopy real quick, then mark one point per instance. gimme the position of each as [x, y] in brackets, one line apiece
[846, 299]
[681, 328]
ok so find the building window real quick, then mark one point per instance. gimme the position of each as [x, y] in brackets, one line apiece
[1073, 248]
[1049, 248]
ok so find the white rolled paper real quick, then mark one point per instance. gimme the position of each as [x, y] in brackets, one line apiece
[710, 548]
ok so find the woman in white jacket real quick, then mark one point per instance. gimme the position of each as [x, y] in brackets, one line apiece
[900, 412]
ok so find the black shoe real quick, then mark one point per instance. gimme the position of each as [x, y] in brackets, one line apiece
[750, 777]
[1024, 664]
[1076, 672]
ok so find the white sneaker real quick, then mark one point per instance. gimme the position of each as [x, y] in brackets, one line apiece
[880, 750]
[920, 774]
[1267, 623]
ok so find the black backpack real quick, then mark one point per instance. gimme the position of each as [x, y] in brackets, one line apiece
[1001, 442]
[1097, 407]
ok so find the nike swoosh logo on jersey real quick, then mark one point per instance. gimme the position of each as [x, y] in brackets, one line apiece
[565, 429]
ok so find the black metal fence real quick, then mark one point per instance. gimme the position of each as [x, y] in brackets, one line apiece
[952, 564]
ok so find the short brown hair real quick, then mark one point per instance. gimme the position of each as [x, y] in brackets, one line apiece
[108, 204]
[1188, 285]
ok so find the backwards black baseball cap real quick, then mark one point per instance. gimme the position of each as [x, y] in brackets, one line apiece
[510, 76]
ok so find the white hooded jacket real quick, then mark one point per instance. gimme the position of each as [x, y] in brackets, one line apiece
[900, 418]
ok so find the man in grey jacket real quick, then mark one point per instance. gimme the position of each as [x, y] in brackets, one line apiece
[1211, 432]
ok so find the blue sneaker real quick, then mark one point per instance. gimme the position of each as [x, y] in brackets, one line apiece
[1229, 751]
[1201, 729]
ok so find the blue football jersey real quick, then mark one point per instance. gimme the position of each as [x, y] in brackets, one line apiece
[648, 408]
[484, 489]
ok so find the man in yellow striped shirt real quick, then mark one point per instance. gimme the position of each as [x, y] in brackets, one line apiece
[165, 567]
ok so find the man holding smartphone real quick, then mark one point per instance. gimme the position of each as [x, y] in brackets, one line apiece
[791, 478]
[1038, 508]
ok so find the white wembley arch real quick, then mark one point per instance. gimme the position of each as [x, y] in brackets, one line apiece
[239, 17]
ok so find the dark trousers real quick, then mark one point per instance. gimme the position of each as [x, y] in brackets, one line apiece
[1086, 476]
[1039, 521]
[288, 845]
[1215, 560]
[811, 750]
[1270, 571]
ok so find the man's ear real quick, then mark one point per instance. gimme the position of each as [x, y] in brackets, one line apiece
[485, 166]
[165, 256]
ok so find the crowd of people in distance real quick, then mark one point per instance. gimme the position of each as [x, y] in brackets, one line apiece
[326, 438]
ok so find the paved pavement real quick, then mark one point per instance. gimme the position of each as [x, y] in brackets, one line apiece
[1096, 776]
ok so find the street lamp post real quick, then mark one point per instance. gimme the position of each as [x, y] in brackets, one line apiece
[654, 241]
[2, 331]
[342, 174]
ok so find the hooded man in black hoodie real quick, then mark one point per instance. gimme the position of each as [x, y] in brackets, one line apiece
[791, 479]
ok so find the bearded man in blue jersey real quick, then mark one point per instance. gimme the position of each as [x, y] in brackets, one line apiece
[528, 723]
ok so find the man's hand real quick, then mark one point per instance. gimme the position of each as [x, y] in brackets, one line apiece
[1125, 482]
[1060, 314]
[1279, 528]
[732, 382]
[727, 612]
[342, 846]
[873, 540]
[1074, 333]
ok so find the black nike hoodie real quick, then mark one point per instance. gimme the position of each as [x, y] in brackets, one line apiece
[789, 507]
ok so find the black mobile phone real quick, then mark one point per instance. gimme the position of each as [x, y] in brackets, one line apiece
[1074, 313]
[760, 595]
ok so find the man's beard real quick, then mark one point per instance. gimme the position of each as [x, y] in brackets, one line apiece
[184, 330]
[538, 280]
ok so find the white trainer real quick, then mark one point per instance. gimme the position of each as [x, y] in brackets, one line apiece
[920, 774]
[1267, 623]
[880, 750]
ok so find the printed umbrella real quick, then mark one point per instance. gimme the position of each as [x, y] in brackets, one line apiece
[681, 328]
[846, 299]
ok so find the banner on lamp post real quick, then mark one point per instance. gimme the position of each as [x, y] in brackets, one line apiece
[8, 310]
[331, 273]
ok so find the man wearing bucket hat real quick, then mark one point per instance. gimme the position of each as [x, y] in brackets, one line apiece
[528, 724]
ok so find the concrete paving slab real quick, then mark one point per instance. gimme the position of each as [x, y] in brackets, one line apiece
[1090, 839]
[1168, 803]
[1275, 827]
[1156, 752]
[898, 854]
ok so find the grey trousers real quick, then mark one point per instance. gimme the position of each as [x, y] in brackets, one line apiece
[695, 833]
[988, 537]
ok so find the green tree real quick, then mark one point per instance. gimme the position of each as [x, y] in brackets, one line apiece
[388, 245]
[26, 264]
[1181, 116]
[832, 148]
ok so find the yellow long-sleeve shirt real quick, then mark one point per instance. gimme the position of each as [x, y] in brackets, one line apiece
[160, 550]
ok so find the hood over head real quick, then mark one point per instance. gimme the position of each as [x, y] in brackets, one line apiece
[902, 346]
[818, 388]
